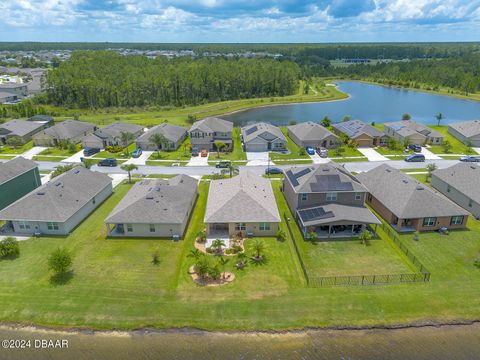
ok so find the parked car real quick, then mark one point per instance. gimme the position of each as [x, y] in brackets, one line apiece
[273, 171]
[108, 162]
[204, 153]
[470, 158]
[222, 164]
[137, 152]
[310, 150]
[415, 158]
[415, 148]
[90, 151]
[194, 151]
[322, 152]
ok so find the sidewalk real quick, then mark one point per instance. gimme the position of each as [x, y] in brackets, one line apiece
[198, 160]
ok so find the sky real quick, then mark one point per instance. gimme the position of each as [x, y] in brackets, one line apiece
[247, 21]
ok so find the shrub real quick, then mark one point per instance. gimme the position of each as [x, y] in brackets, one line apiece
[114, 149]
[9, 247]
[229, 251]
[477, 262]
[209, 250]
[156, 258]
[281, 236]
[302, 152]
[214, 272]
[60, 261]
[236, 249]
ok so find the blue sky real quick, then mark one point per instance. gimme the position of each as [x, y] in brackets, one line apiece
[239, 21]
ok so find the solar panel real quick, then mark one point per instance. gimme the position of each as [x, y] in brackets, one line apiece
[294, 177]
[330, 183]
[317, 213]
[251, 130]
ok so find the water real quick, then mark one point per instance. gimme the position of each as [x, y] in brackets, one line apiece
[447, 342]
[368, 103]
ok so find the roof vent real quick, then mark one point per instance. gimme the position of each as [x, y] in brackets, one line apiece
[58, 184]
[149, 197]
[76, 171]
[420, 188]
[40, 193]
[388, 170]
[325, 169]
[405, 181]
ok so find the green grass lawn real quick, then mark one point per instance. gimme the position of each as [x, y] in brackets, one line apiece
[54, 151]
[20, 150]
[293, 148]
[119, 155]
[457, 146]
[237, 154]
[48, 158]
[393, 154]
[6, 156]
[344, 160]
[182, 153]
[347, 153]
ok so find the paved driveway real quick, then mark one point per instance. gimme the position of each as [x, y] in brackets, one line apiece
[257, 158]
[75, 158]
[429, 155]
[141, 159]
[372, 155]
[117, 178]
[29, 154]
[319, 160]
[198, 160]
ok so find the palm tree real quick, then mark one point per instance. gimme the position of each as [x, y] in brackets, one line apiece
[222, 262]
[365, 237]
[158, 140]
[439, 118]
[195, 253]
[219, 146]
[233, 169]
[88, 163]
[126, 138]
[202, 267]
[241, 257]
[217, 244]
[129, 168]
[258, 247]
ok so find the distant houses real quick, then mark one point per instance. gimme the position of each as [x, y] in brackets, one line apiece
[72, 131]
[18, 177]
[204, 133]
[468, 132]
[244, 204]
[12, 92]
[24, 129]
[111, 135]
[312, 134]
[154, 208]
[327, 201]
[461, 184]
[409, 131]
[409, 205]
[58, 206]
[362, 134]
[174, 136]
[263, 137]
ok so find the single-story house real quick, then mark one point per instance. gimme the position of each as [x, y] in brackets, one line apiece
[312, 134]
[72, 131]
[363, 134]
[173, 134]
[412, 132]
[111, 135]
[468, 132]
[6, 97]
[22, 128]
[263, 137]
[243, 204]
[58, 206]
[154, 208]
[461, 184]
[409, 205]
[204, 133]
[19, 89]
[44, 119]
[18, 177]
[327, 200]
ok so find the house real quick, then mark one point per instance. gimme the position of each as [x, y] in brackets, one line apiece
[154, 208]
[204, 133]
[363, 134]
[409, 131]
[111, 135]
[58, 206]
[409, 205]
[468, 132]
[44, 119]
[6, 97]
[263, 137]
[21, 128]
[72, 131]
[312, 134]
[327, 200]
[243, 204]
[18, 177]
[174, 134]
[18, 89]
[461, 184]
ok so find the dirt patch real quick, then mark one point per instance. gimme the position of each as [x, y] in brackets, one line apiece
[225, 278]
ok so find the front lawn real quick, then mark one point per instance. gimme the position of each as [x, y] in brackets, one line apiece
[182, 153]
[294, 150]
[19, 150]
[119, 155]
[54, 151]
[237, 154]
[457, 146]
[348, 152]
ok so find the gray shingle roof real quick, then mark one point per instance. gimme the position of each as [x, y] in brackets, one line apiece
[156, 201]
[310, 131]
[172, 132]
[464, 177]
[114, 130]
[14, 168]
[406, 197]
[212, 124]
[467, 128]
[21, 127]
[355, 128]
[244, 198]
[327, 214]
[262, 130]
[60, 198]
[68, 129]
[328, 177]
[409, 127]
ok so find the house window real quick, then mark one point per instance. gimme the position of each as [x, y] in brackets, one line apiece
[264, 226]
[358, 196]
[303, 197]
[152, 227]
[240, 227]
[470, 203]
[23, 225]
[448, 188]
[52, 226]
[429, 221]
[130, 228]
[332, 196]
[456, 220]
[278, 145]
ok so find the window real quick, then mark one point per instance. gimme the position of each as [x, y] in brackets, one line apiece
[130, 228]
[52, 226]
[240, 227]
[358, 196]
[456, 220]
[470, 203]
[264, 226]
[24, 225]
[430, 221]
[303, 197]
[332, 196]
[448, 188]
[152, 227]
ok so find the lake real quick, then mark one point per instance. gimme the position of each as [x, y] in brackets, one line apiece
[427, 343]
[369, 103]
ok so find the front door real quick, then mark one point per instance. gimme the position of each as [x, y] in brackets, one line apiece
[269, 146]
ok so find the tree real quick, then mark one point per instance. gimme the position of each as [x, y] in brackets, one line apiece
[158, 140]
[241, 260]
[126, 138]
[195, 254]
[222, 262]
[9, 247]
[326, 122]
[406, 116]
[88, 163]
[214, 272]
[72, 148]
[217, 245]
[129, 168]
[219, 146]
[281, 235]
[292, 122]
[439, 118]
[469, 147]
[430, 168]
[232, 169]
[258, 248]
[312, 236]
[447, 147]
[191, 118]
[365, 237]
[60, 261]
[14, 142]
[346, 118]
[302, 152]
[202, 267]
[59, 170]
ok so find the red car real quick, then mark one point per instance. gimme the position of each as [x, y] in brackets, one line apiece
[204, 153]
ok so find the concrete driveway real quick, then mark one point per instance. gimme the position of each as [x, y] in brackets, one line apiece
[372, 154]
[429, 155]
[257, 158]
[319, 160]
[198, 160]
[29, 154]
[141, 159]
[75, 158]
[117, 178]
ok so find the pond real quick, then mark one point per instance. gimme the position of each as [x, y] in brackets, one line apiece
[369, 103]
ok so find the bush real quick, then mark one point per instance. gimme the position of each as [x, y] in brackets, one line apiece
[209, 250]
[156, 258]
[229, 251]
[281, 236]
[236, 249]
[302, 152]
[60, 261]
[477, 262]
[114, 149]
[9, 248]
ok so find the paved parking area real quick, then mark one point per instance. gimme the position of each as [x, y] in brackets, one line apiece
[29, 154]
[372, 154]
[198, 160]
[429, 155]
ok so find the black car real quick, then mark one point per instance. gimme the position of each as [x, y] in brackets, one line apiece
[224, 164]
[90, 151]
[415, 147]
[108, 162]
[273, 171]
[194, 151]
[415, 158]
